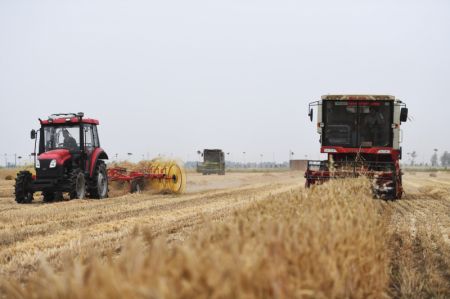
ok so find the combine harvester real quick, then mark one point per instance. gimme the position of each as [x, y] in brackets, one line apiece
[361, 136]
[70, 160]
[213, 162]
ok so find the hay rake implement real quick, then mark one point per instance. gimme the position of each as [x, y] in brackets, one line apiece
[162, 177]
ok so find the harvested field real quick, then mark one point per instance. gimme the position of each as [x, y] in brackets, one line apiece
[248, 235]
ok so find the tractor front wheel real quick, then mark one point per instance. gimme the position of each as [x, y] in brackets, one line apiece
[23, 190]
[78, 185]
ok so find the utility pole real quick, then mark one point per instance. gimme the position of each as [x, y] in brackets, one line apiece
[15, 160]
[291, 154]
[273, 157]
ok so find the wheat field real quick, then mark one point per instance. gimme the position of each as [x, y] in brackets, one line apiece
[245, 235]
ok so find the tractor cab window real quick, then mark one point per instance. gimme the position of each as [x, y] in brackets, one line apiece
[96, 140]
[88, 137]
[61, 137]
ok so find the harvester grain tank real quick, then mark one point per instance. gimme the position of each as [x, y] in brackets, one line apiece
[361, 136]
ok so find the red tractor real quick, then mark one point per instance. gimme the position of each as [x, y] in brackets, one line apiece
[69, 159]
[361, 136]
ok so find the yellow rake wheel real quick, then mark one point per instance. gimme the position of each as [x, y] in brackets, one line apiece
[177, 178]
[156, 184]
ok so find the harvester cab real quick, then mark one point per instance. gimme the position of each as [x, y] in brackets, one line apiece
[213, 162]
[68, 159]
[361, 136]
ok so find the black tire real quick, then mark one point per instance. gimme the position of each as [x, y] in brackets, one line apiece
[22, 189]
[137, 186]
[307, 184]
[52, 196]
[48, 196]
[77, 185]
[98, 184]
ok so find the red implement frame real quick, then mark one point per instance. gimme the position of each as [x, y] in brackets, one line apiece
[122, 174]
[137, 179]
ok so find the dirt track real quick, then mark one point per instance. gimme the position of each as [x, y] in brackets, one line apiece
[419, 224]
[420, 242]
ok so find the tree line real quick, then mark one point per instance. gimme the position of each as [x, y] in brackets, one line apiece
[444, 159]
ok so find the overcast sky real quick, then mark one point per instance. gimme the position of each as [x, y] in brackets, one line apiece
[172, 77]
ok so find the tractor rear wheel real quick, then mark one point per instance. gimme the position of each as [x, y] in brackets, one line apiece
[98, 185]
[77, 185]
[23, 190]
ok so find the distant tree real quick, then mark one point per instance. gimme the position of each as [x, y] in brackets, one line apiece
[413, 157]
[434, 160]
[445, 159]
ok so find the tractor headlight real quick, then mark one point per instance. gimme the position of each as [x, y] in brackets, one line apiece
[53, 163]
[38, 164]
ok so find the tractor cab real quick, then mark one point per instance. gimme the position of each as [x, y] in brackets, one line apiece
[360, 134]
[68, 158]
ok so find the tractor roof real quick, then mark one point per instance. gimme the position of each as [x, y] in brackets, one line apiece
[358, 97]
[68, 118]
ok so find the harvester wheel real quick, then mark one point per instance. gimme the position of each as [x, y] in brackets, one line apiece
[399, 187]
[98, 185]
[23, 191]
[78, 185]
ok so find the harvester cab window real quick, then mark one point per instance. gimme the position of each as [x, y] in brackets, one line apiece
[340, 124]
[375, 125]
[355, 124]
